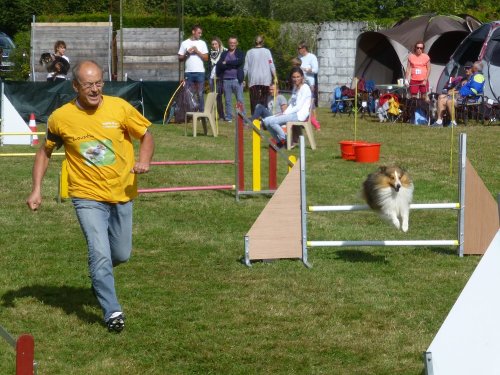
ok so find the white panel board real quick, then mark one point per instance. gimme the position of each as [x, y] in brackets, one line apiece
[12, 122]
[468, 342]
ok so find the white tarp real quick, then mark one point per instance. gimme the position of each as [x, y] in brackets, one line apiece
[468, 342]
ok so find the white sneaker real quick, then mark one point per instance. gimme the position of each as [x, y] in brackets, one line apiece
[453, 123]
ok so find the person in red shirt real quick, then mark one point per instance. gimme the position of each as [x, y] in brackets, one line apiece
[418, 70]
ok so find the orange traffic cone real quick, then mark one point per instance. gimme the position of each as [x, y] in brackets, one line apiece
[32, 125]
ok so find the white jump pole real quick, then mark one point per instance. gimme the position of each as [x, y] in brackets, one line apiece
[460, 206]
[383, 243]
[418, 206]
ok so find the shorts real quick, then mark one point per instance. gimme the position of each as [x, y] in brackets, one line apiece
[418, 86]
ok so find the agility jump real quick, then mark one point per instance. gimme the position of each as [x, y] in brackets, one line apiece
[477, 218]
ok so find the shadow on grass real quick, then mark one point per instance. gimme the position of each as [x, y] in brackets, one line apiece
[359, 256]
[71, 300]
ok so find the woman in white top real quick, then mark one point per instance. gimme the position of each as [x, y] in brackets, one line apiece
[298, 108]
[215, 83]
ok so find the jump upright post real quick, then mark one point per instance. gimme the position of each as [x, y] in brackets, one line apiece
[477, 218]
[25, 352]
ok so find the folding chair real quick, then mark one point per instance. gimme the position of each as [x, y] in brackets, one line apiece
[208, 113]
[471, 108]
[306, 125]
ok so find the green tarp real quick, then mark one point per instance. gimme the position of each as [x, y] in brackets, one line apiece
[42, 98]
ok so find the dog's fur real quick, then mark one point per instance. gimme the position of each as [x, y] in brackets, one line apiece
[389, 191]
[54, 64]
[46, 60]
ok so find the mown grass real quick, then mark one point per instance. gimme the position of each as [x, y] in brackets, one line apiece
[193, 308]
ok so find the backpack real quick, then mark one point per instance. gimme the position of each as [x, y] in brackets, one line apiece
[337, 105]
[370, 85]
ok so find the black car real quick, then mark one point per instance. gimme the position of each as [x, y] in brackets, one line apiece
[6, 46]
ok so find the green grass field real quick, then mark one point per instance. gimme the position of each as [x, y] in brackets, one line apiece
[193, 308]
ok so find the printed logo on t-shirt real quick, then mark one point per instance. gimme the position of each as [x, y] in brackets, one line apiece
[110, 125]
[98, 153]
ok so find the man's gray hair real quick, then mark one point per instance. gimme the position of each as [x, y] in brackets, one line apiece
[479, 66]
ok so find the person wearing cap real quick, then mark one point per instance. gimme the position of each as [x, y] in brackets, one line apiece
[470, 87]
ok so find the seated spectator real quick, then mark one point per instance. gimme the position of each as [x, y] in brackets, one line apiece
[469, 89]
[298, 109]
[274, 98]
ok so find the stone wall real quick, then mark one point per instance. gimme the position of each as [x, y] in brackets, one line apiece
[336, 51]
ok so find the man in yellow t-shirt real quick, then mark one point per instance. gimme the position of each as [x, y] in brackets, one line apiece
[97, 131]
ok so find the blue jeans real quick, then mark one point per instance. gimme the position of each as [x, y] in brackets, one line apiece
[107, 228]
[273, 124]
[196, 83]
[232, 86]
[261, 111]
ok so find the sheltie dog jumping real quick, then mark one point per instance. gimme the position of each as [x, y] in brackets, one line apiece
[389, 191]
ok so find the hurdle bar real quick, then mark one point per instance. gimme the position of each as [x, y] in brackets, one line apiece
[24, 347]
[192, 162]
[186, 188]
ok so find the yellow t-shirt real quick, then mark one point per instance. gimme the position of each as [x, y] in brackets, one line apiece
[98, 148]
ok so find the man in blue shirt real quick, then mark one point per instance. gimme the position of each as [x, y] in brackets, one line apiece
[230, 69]
[468, 91]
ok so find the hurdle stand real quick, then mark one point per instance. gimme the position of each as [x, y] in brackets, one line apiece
[478, 219]
[273, 153]
[24, 347]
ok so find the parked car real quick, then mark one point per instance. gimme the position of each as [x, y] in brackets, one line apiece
[6, 46]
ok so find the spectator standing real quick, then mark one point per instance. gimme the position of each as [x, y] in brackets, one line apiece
[261, 71]
[298, 108]
[418, 70]
[309, 65]
[230, 69]
[194, 52]
[59, 67]
[96, 131]
[216, 84]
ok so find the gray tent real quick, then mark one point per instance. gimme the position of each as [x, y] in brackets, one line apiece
[482, 44]
[382, 56]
